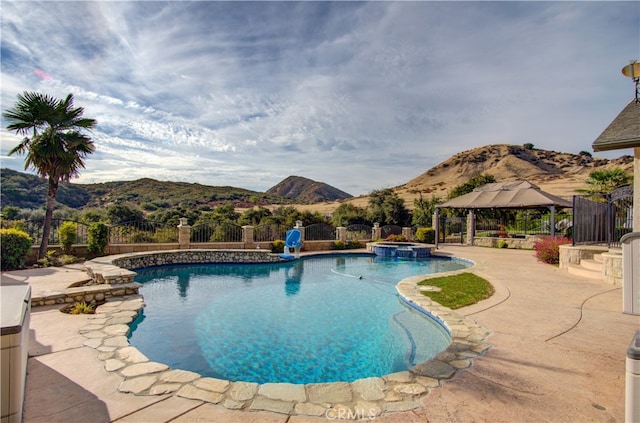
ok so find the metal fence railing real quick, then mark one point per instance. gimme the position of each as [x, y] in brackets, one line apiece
[35, 230]
[390, 230]
[359, 232]
[216, 232]
[142, 232]
[269, 233]
[319, 232]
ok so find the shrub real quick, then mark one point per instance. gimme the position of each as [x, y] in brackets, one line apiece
[548, 249]
[353, 244]
[68, 234]
[502, 244]
[426, 235]
[277, 246]
[15, 247]
[338, 245]
[98, 239]
[396, 238]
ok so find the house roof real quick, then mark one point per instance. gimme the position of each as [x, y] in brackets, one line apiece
[623, 132]
[506, 195]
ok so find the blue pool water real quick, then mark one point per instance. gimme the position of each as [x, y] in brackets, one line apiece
[317, 319]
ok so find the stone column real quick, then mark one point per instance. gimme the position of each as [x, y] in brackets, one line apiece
[341, 234]
[376, 232]
[406, 233]
[300, 228]
[184, 234]
[636, 189]
[471, 227]
[248, 236]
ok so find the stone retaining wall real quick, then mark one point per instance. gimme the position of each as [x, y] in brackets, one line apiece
[517, 243]
[161, 258]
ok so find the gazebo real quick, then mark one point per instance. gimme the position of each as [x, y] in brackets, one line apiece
[502, 195]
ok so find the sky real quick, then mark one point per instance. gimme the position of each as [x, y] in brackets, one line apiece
[359, 95]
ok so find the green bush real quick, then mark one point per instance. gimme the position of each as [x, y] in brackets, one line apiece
[548, 249]
[98, 239]
[277, 246]
[338, 245]
[426, 235]
[354, 244]
[502, 244]
[15, 247]
[68, 232]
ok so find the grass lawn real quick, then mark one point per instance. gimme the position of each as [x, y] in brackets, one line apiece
[458, 290]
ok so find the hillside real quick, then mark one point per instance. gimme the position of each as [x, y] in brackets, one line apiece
[557, 173]
[306, 190]
[560, 174]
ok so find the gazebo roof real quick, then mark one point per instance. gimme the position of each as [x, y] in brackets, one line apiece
[506, 195]
[623, 132]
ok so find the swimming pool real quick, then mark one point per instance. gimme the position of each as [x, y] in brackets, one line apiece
[317, 319]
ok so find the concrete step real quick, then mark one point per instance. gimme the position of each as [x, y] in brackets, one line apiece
[576, 269]
[592, 264]
[598, 258]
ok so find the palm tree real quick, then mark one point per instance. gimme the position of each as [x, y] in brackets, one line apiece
[606, 181]
[56, 148]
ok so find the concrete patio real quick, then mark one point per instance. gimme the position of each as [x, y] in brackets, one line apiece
[558, 348]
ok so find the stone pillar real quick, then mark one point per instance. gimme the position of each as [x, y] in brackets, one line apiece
[184, 234]
[435, 223]
[376, 232]
[300, 228]
[341, 234]
[247, 236]
[636, 189]
[471, 227]
[406, 233]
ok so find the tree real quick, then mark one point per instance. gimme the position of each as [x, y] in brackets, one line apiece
[606, 181]
[347, 214]
[53, 143]
[423, 211]
[473, 183]
[385, 207]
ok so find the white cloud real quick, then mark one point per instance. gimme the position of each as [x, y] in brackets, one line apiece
[358, 95]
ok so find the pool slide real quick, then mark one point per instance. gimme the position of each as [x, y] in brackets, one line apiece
[292, 240]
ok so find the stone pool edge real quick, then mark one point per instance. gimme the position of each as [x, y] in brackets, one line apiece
[366, 398]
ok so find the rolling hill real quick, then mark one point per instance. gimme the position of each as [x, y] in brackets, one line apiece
[306, 190]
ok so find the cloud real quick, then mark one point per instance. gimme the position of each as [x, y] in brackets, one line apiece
[358, 95]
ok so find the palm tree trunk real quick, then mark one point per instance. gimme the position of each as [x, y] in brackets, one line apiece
[48, 216]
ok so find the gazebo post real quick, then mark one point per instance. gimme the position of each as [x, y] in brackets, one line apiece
[436, 224]
[471, 227]
[553, 220]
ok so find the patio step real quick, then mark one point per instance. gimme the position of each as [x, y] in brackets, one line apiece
[585, 272]
[592, 264]
[598, 258]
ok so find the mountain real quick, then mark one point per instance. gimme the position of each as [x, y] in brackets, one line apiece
[560, 174]
[306, 190]
[29, 191]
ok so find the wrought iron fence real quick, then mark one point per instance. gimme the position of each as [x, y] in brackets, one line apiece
[142, 232]
[603, 219]
[269, 233]
[319, 232]
[452, 230]
[521, 227]
[216, 232]
[358, 232]
[35, 229]
[390, 230]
